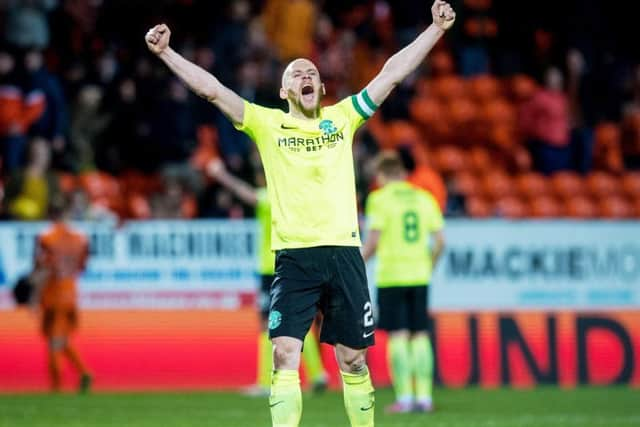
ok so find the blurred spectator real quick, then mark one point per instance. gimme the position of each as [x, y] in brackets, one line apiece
[21, 105]
[230, 44]
[631, 136]
[172, 127]
[27, 25]
[53, 124]
[545, 122]
[289, 24]
[89, 121]
[82, 209]
[30, 190]
[173, 202]
[408, 19]
[479, 33]
[631, 124]
[126, 113]
[120, 142]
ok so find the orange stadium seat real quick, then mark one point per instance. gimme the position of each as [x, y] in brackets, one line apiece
[461, 118]
[189, 207]
[461, 111]
[607, 148]
[402, 132]
[467, 183]
[631, 184]
[614, 207]
[479, 159]
[449, 159]
[484, 88]
[579, 207]
[544, 207]
[138, 206]
[522, 87]
[567, 184]
[424, 88]
[67, 182]
[477, 207]
[635, 206]
[104, 189]
[137, 182]
[448, 87]
[426, 111]
[99, 185]
[522, 158]
[503, 136]
[510, 207]
[425, 177]
[498, 185]
[441, 63]
[602, 184]
[498, 111]
[532, 184]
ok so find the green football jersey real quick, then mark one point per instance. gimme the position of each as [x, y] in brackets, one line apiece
[405, 216]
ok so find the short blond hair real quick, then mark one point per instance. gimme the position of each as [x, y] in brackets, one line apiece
[389, 164]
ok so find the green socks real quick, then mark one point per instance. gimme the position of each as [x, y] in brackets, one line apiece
[265, 360]
[286, 399]
[400, 360]
[312, 359]
[422, 361]
[359, 399]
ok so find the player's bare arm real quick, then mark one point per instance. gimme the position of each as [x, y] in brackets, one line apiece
[404, 62]
[371, 245]
[200, 81]
[238, 187]
[438, 247]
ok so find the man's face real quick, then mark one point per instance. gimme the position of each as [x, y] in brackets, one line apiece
[302, 86]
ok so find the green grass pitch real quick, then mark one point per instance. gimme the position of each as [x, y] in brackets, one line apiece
[544, 407]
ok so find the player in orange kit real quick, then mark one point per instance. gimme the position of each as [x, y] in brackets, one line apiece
[61, 255]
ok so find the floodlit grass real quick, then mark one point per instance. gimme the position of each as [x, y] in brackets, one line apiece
[544, 407]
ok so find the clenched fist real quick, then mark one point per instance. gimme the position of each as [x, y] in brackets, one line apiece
[443, 14]
[157, 38]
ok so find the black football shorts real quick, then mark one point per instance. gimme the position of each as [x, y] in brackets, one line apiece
[331, 279]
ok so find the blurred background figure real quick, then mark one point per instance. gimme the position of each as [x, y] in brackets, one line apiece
[61, 254]
[31, 189]
[257, 198]
[406, 234]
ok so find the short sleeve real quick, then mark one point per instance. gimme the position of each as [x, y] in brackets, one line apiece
[262, 199]
[358, 108]
[374, 212]
[255, 120]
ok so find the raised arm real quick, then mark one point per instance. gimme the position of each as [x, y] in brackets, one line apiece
[200, 81]
[238, 187]
[407, 60]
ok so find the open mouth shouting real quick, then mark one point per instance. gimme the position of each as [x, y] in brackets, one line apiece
[308, 93]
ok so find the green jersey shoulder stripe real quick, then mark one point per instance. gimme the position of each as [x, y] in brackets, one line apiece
[363, 104]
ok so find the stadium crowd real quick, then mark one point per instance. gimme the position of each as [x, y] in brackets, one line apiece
[517, 114]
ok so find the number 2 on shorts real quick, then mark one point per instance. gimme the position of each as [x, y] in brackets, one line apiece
[368, 315]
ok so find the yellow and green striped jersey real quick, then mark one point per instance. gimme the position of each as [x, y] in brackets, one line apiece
[405, 216]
